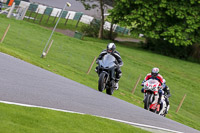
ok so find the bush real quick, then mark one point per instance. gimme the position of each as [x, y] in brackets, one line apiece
[92, 30]
[106, 35]
[164, 47]
[195, 53]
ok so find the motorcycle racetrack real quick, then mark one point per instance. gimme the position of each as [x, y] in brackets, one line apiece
[26, 84]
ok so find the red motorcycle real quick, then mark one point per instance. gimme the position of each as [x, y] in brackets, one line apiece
[151, 88]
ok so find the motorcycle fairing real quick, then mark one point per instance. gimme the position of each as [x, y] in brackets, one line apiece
[108, 61]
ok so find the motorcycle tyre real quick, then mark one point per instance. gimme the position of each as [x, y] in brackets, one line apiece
[152, 110]
[146, 102]
[102, 80]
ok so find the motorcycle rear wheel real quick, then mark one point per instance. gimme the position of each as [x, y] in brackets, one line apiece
[110, 90]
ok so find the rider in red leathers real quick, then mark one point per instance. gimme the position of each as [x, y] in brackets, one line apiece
[154, 75]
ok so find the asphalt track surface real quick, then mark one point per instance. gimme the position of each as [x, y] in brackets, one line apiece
[21, 82]
[75, 6]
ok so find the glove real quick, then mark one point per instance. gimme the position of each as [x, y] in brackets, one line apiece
[142, 84]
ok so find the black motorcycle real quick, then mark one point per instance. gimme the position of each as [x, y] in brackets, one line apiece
[106, 71]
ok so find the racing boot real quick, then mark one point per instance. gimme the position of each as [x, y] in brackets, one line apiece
[167, 109]
[96, 69]
[116, 86]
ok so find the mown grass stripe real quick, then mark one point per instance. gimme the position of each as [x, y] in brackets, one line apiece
[67, 111]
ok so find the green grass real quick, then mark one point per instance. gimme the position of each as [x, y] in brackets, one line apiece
[17, 119]
[71, 58]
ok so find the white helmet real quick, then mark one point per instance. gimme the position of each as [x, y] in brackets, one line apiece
[111, 47]
[164, 81]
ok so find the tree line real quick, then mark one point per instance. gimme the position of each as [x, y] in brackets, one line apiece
[166, 24]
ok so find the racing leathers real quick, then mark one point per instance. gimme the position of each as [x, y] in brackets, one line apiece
[167, 95]
[117, 56]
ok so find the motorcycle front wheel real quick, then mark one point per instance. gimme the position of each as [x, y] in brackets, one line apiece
[146, 102]
[102, 82]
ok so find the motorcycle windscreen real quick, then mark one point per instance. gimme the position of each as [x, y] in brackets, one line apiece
[153, 81]
[108, 61]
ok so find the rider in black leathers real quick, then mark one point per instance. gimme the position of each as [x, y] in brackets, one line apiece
[111, 49]
[166, 94]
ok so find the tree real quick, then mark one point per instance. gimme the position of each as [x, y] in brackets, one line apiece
[175, 21]
[91, 4]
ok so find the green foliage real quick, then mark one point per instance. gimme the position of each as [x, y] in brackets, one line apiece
[176, 21]
[91, 4]
[190, 52]
[92, 30]
[163, 47]
[106, 35]
[195, 53]
[88, 4]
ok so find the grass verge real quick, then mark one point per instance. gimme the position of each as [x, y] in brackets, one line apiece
[20, 119]
[71, 58]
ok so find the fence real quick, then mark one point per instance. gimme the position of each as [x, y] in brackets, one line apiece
[55, 12]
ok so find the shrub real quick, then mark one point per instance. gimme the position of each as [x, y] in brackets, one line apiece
[106, 35]
[92, 30]
[164, 47]
[196, 52]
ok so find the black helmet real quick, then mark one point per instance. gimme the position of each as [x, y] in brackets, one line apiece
[111, 47]
[154, 72]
